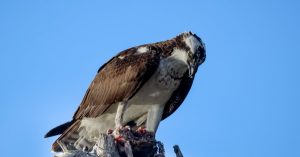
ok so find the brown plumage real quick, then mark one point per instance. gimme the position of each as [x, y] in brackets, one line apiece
[117, 81]
[121, 78]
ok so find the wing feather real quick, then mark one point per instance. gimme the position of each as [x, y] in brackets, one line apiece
[118, 80]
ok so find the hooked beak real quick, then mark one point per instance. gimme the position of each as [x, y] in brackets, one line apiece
[191, 68]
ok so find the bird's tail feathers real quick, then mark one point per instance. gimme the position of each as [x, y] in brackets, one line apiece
[67, 139]
[59, 129]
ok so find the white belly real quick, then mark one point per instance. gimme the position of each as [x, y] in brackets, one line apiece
[152, 94]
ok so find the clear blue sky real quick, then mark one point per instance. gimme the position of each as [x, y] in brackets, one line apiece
[245, 101]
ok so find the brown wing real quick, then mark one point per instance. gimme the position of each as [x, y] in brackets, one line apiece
[118, 80]
[178, 95]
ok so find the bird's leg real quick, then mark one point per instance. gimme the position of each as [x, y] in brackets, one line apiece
[120, 113]
[119, 119]
[154, 117]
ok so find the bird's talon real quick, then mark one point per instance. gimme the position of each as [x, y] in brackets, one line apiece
[126, 128]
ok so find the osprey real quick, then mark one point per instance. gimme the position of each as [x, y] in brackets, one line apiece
[138, 87]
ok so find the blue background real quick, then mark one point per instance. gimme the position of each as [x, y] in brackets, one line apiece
[244, 101]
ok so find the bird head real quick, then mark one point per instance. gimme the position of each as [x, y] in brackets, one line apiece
[195, 49]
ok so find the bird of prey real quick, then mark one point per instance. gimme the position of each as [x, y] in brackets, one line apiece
[139, 87]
